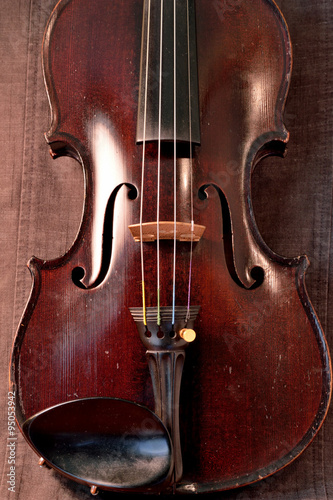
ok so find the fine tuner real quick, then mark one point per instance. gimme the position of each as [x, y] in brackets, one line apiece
[187, 334]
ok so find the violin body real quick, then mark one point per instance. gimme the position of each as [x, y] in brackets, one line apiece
[256, 381]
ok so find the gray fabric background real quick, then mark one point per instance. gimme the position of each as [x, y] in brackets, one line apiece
[41, 202]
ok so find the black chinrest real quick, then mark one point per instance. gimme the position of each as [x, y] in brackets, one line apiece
[106, 442]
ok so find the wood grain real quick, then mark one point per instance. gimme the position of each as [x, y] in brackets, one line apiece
[42, 201]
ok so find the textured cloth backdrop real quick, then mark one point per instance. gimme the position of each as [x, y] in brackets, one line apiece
[41, 203]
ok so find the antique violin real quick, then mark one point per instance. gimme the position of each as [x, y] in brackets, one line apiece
[168, 106]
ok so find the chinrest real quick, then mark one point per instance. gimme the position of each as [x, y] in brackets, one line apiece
[105, 442]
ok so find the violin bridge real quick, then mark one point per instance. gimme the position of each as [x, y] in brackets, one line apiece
[185, 231]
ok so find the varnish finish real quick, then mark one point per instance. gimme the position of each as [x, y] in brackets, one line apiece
[256, 381]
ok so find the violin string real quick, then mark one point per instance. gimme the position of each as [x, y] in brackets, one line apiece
[191, 162]
[143, 171]
[174, 165]
[159, 168]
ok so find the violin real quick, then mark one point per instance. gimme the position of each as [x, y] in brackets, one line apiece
[169, 350]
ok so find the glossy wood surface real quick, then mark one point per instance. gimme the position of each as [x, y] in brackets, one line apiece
[257, 379]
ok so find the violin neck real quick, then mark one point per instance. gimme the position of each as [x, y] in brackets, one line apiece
[168, 107]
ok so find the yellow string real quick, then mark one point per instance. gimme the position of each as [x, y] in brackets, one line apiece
[158, 308]
[144, 304]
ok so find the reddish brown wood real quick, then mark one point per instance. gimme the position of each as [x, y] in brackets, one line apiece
[257, 380]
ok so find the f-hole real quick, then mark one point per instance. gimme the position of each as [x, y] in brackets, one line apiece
[257, 273]
[78, 272]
